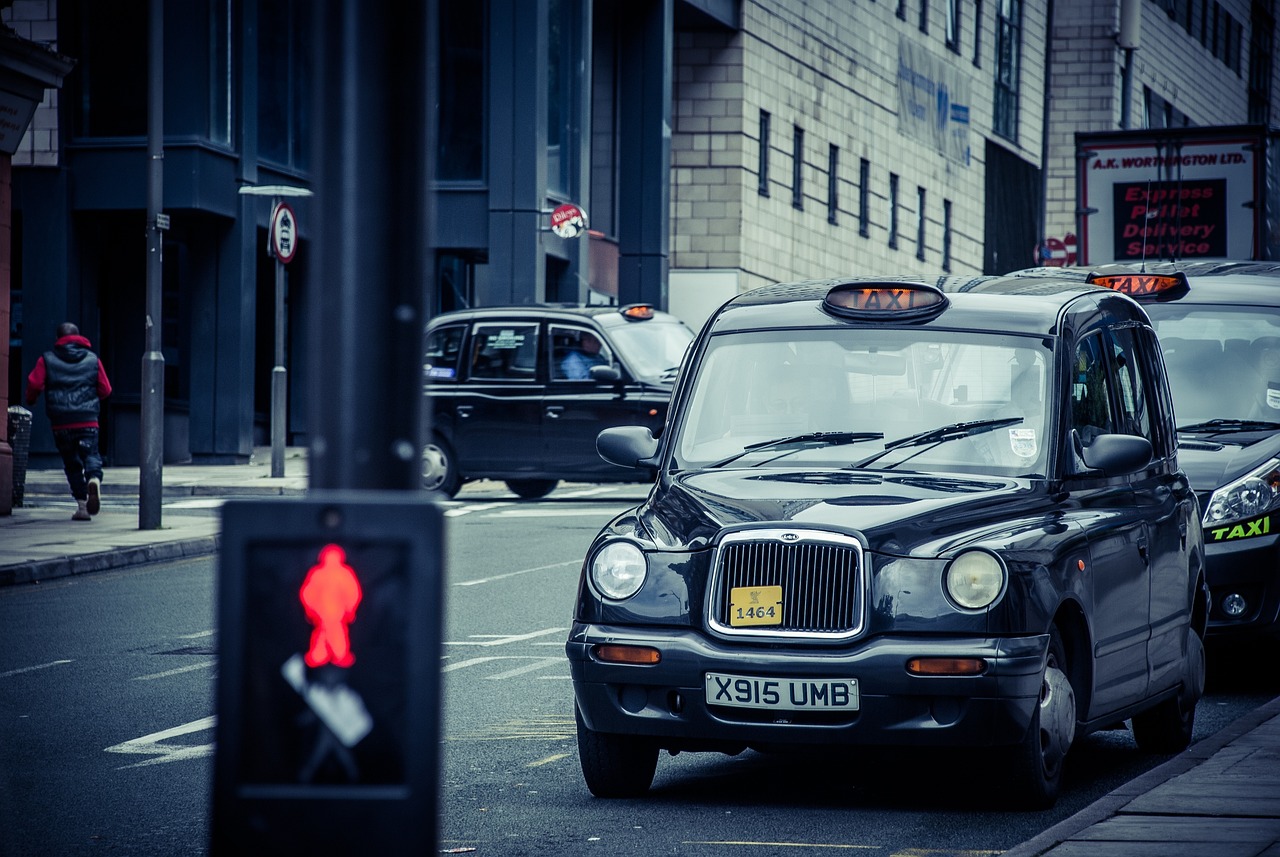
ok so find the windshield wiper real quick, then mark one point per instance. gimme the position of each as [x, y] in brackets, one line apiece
[1221, 425]
[811, 439]
[939, 435]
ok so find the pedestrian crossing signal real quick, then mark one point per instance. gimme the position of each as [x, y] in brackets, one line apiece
[330, 594]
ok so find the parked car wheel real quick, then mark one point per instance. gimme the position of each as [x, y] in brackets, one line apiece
[1167, 728]
[532, 489]
[615, 765]
[1038, 761]
[440, 468]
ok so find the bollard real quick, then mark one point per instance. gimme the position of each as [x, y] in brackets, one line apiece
[20, 440]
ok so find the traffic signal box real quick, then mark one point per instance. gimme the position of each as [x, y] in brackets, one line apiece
[329, 632]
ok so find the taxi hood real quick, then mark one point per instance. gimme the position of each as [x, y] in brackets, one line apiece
[892, 511]
[1212, 462]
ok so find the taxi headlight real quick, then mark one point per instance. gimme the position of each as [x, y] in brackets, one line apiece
[974, 579]
[1251, 495]
[618, 570]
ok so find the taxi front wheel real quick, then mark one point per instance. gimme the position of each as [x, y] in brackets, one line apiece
[1168, 727]
[440, 468]
[532, 489]
[615, 765]
[1036, 763]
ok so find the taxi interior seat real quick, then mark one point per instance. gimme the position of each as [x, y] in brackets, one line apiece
[1198, 372]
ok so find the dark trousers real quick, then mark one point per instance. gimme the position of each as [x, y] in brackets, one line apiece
[80, 458]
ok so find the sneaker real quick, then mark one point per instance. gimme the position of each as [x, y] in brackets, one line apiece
[94, 503]
[81, 513]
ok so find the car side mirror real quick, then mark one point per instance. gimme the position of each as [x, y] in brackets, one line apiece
[1117, 454]
[628, 446]
[605, 374]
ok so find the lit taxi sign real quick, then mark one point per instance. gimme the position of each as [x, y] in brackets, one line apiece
[1141, 285]
[637, 312]
[884, 301]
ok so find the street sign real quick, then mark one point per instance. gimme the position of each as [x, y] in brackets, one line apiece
[568, 220]
[328, 675]
[284, 232]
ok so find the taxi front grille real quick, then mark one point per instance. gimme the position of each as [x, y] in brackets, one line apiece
[819, 575]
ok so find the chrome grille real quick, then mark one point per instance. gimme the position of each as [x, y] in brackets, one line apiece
[820, 576]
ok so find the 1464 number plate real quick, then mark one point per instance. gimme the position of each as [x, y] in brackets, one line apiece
[782, 694]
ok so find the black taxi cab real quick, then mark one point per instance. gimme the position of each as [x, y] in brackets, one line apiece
[519, 393]
[1219, 326]
[943, 514]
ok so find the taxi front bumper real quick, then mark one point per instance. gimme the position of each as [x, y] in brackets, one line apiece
[1250, 568]
[668, 701]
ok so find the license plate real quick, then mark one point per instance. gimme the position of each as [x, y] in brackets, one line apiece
[782, 694]
[755, 605]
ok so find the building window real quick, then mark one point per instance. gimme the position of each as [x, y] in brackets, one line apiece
[762, 169]
[977, 33]
[283, 60]
[1008, 60]
[112, 88]
[564, 91]
[946, 235]
[460, 137]
[833, 182]
[924, 16]
[797, 168]
[1261, 64]
[920, 223]
[953, 25]
[902, 9]
[893, 211]
[864, 197]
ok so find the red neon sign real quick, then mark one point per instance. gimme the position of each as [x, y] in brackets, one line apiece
[330, 593]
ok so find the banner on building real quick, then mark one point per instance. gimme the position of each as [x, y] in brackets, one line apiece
[933, 102]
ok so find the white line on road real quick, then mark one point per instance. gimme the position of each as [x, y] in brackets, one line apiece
[502, 639]
[21, 670]
[152, 745]
[516, 573]
[467, 663]
[478, 507]
[562, 512]
[538, 664]
[177, 671]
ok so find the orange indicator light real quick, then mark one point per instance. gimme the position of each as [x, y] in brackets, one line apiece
[330, 593]
[614, 654]
[946, 666]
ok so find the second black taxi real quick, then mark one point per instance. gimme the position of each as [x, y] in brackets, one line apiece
[943, 514]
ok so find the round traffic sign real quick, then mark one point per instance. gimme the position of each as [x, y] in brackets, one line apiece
[284, 232]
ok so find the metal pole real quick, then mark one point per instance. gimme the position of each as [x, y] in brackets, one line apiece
[279, 380]
[150, 477]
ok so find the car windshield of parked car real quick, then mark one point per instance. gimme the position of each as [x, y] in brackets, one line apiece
[1223, 361]
[652, 348]
[844, 396]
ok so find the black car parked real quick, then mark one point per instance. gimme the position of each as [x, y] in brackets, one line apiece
[520, 393]
[944, 514]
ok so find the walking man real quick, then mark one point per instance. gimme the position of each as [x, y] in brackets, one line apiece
[74, 382]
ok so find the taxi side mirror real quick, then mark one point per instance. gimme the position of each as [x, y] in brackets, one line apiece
[605, 374]
[628, 446]
[1117, 454]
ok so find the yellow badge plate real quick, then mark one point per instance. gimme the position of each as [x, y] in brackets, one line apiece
[755, 605]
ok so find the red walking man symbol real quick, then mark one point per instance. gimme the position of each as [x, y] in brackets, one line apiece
[330, 595]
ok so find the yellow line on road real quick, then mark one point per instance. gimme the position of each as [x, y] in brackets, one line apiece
[547, 761]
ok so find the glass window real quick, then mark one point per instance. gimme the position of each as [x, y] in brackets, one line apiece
[444, 347]
[1008, 60]
[564, 91]
[1135, 415]
[505, 352]
[864, 197]
[111, 100]
[574, 350]
[653, 349]
[893, 211]
[920, 223]
[833, 182]
[1090, 395]
[462, 84]
[953, 25]
[762, 168]
[797, 168]
[283, 116]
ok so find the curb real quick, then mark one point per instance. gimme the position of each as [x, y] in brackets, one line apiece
[116, 558]
[1111, 804]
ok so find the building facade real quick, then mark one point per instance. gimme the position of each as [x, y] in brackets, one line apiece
[715, 145]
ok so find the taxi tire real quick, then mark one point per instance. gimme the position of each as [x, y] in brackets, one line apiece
[1036, 763]
[532, 489]
[1168, 727]
[615, 766]
[440, 467]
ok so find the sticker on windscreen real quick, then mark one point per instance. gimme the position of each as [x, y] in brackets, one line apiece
[1023, 442]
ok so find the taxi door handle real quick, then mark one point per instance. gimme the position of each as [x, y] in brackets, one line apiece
[555, 411]
[464, 411]
[1142, 549]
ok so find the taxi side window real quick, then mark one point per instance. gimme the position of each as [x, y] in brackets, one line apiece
[1166, 433]
[1090, 397]
[574, 350]
[505, 352]
[1135, 411]
[444, 347]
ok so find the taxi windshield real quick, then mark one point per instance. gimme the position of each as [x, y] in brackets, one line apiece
[906, 399]
[652, 348]
[1223, 361]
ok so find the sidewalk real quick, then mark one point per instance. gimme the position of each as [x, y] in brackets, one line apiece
[1221, 796]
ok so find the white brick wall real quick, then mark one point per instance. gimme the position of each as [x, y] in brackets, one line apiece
[36, 20]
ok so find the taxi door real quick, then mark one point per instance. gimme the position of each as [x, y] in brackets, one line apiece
[576, 407]
[496, 408]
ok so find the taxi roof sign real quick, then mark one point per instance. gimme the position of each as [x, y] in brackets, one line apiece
[1141, 285]
[637, 312]
[884, 301]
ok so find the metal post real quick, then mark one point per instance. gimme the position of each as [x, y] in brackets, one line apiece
[279, 380]
[150, 483]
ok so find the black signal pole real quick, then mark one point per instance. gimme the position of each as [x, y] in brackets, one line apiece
[150, 484]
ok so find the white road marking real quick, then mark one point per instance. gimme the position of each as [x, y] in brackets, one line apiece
[539, 663]
[467, 663]
[201, 503]
[197, 635]
[21, 670]
[516, 573]
[176, 671]
[153, 744]
[560, 512]
[503, 639]
[476, 507]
